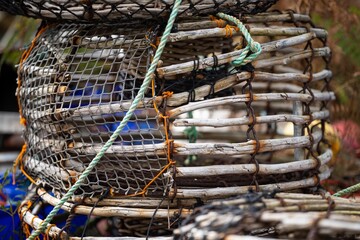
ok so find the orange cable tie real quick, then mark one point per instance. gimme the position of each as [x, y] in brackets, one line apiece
[229, 30]
[17, 161]
[25, 173]
[46, 234]
[32, 220]
[111, 191]
[219, 22]
[167, 141]
[24, 56]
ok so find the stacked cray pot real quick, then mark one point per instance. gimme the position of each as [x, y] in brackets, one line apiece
[209, 127]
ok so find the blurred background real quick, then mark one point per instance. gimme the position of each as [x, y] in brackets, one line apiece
[342, 21]
[340, 18]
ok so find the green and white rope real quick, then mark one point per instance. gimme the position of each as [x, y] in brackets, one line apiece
[138, 98]
[252, 46]
[349, 190]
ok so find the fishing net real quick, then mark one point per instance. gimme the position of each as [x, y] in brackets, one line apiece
[113, 10]
[77, 82]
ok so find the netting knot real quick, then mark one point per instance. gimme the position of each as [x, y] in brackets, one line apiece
[219, 22]
[23, 121]
[167, 94]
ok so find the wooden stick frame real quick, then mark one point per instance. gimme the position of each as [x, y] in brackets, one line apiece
[287, 212]
[278, 83]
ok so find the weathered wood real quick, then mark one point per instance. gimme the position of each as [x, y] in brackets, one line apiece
[308, 205]
[226, 122]
[264, 169]
[117, 211]
[222, 192]
[137, 202]
[277, 87]
[259, 18]
[301, 34]
[238, 80]
[160, 149]
[299, 196]
[292, 57]
[48, 89]
[61, 174]
[229, 57]
[176, 100]
[269, 97]
[298, 127]
[35, 222]
[288, 222]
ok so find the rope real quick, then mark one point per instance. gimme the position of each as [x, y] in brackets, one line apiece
[139, 96]
[252, 46]
[349, 190]
[24, 56]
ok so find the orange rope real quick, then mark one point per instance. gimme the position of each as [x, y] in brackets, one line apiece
[28, 203]
[229, 30]
[168, 141]
[23, 170]
[17, 161]
[25, 227]
[111, 191]
[24, 56]
[46, 235]
[154, 46]
[157, 41]
[32, 220]
[219, 22]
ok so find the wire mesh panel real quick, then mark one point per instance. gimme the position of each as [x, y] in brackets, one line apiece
[111, 10]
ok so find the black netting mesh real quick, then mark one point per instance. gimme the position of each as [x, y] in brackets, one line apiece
[112, 10]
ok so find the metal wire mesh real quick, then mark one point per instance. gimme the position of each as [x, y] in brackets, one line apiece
[113, 10]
